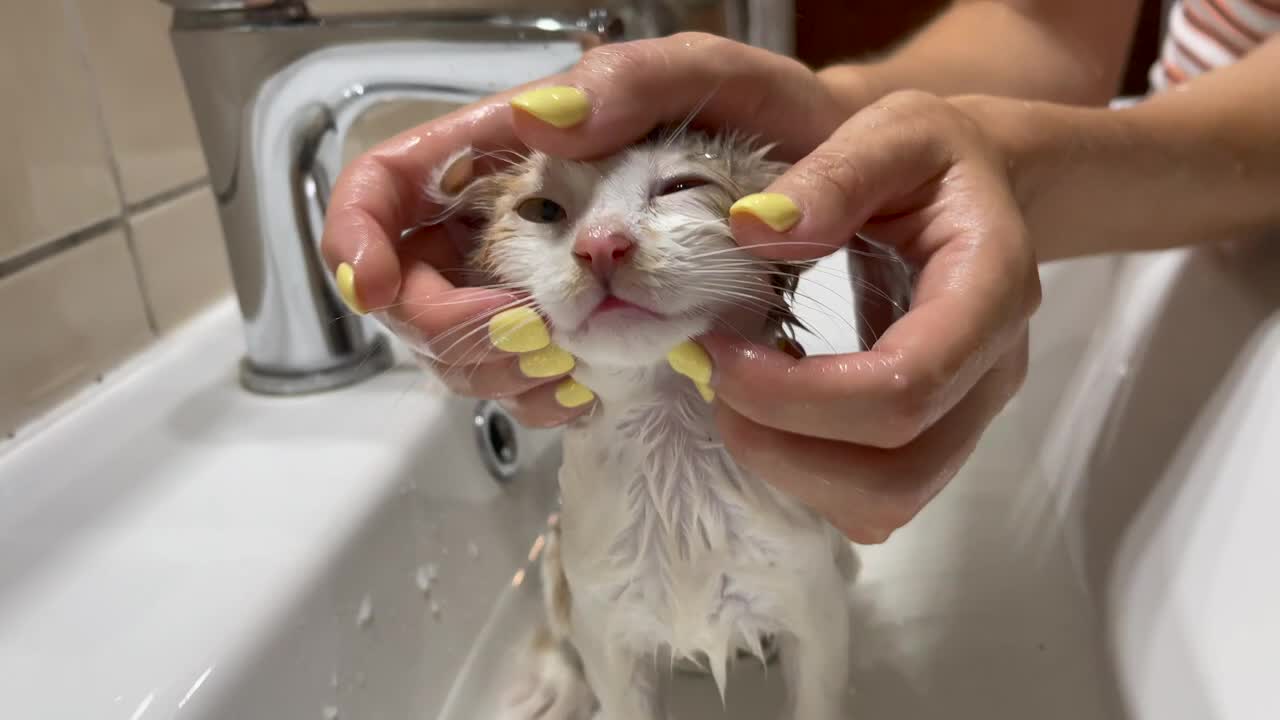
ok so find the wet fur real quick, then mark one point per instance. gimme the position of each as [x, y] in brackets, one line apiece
[665, 547]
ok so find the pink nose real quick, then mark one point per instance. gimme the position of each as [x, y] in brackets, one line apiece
[603, 249]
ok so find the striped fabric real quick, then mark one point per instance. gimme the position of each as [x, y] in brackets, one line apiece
[1205, 34]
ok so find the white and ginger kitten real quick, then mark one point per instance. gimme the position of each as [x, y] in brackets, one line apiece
[665, 549]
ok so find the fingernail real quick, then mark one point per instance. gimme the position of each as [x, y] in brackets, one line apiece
[550, 361]
[690, 360]
[572, 394]
[459, 173]
[705, 391]
[345, 277]
[518, 330]
[561, 106]
[773, 209]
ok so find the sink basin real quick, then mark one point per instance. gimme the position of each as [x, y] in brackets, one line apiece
[174, 547]
[178, 547]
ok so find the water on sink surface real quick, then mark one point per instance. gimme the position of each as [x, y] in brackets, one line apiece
[970, 613]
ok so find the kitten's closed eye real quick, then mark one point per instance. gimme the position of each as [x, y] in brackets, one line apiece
[540, 210]
[680, 184]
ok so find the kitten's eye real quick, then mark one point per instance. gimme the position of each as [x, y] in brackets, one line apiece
[540, 210]
[680, 184]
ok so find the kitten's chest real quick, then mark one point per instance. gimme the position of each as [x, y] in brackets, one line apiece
[656, 507]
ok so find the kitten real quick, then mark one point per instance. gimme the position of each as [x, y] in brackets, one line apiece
[664, 547]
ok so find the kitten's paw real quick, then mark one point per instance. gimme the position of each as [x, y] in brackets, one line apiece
[547, 685]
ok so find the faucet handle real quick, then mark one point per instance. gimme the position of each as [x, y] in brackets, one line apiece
[598, 25]
[215, 5]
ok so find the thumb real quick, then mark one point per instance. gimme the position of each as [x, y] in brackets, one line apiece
[874, 164]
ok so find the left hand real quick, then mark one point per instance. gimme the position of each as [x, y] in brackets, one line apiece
[867, 439]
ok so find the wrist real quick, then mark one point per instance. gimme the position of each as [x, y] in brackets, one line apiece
[1066, 166]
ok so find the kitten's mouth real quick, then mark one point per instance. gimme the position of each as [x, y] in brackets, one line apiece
[613, 304]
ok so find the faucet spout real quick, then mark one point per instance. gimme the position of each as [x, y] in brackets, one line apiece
[274, 91]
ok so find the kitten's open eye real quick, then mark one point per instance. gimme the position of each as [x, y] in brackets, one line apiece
[540, 210]
[680, 184]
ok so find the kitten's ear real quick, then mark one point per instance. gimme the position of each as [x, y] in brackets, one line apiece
[455, 188]
[759, 172]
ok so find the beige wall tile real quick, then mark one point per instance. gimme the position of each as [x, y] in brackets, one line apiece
[143, 99]
[65, 321]
[55, 177]
[182, 257]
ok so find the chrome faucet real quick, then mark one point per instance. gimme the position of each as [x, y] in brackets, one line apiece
[274, 90]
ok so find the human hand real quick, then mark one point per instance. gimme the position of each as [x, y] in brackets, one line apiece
[613, 97]
[867, 439]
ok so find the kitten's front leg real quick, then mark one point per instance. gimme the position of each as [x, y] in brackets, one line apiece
[815, 655]
[626, 682]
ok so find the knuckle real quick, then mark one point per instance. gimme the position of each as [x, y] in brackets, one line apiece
[863, 534]
[911, 100]
[912, 400]
[901, 510]
[611, 61]
[697, 40]
[835, 171]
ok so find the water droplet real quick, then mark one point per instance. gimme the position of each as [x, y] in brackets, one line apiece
[473, 550]
[422, 579]
[364, 615]
[333, 679]
[330, 712]
[435, 609]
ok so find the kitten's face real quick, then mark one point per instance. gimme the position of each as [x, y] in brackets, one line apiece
[629, 256]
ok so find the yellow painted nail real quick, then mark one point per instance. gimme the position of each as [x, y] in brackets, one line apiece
[346, 280]
[705, 391]
[550, 361]
[572, 394]
[518, 330]
[561, 106]
[773, 209]
[690, 360]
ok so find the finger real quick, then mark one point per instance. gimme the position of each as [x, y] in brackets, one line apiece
[379, 195]
[873, 164]
[972, 296]
[915, 373]
[502, 378]
[869, 492]
[550, 405]
[618, 93]
[885, 396]
[450, 323]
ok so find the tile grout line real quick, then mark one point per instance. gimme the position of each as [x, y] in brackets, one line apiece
[166, 196]
[24, 259]
[45, 250]
[75, 24]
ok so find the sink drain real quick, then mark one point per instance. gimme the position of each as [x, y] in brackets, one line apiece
[496, 436]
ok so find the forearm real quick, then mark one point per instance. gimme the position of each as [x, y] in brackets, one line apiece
[1197, 165]
[1069, 51]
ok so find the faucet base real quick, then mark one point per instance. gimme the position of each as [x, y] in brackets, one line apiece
[375, 360]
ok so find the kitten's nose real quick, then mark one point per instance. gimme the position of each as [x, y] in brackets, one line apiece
[603, 249]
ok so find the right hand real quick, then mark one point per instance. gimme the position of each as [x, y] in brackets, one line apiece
[622, 92]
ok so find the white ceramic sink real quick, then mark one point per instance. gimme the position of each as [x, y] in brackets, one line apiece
[177, 548]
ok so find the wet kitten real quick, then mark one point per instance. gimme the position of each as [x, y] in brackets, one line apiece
[664, 546]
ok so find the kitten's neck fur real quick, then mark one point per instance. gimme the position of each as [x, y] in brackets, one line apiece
[620, 387]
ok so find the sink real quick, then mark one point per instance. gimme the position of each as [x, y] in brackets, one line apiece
[174, 547]
[179, 547]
